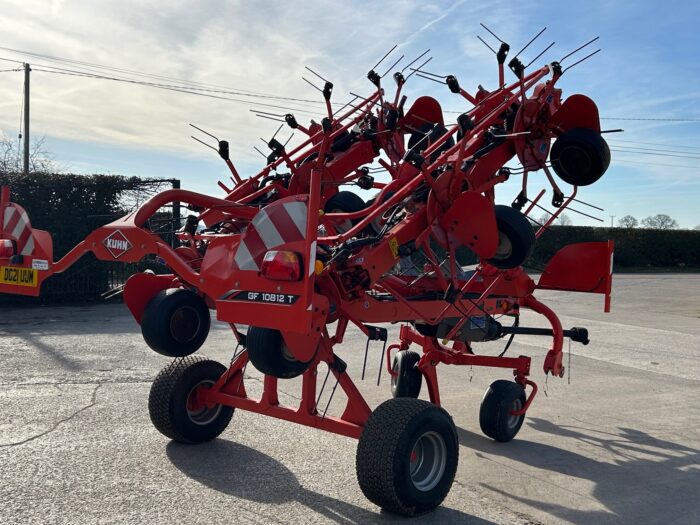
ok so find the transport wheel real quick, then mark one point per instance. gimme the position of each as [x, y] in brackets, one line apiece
[407, 456]
[580, 156]
[495, 416]
[174, 405]
[175, 322]
[408, 380]
[269, 354]
[516, 238]
[345, 202]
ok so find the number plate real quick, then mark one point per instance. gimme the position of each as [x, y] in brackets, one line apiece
[18, 276]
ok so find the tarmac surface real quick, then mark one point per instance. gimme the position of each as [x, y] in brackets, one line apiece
[616, 442]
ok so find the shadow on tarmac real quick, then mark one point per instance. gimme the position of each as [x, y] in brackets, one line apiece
[245, 473]
[649, 480]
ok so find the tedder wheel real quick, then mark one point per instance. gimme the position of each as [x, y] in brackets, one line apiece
[516, 238]
[580, 156]
[175, 322]
[407, 456]
[174, 404]
[408, 379]
[345, 202]
[495, 416]
[269, 354]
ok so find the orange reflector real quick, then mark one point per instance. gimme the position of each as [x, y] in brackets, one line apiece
[281, 265]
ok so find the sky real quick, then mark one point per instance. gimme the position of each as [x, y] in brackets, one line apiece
[647, 69]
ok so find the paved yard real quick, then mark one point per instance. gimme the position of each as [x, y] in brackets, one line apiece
[617, 442]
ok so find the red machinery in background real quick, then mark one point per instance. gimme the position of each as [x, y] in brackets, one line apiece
[296, 260]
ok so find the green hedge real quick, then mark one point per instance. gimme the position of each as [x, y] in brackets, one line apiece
[635, 248]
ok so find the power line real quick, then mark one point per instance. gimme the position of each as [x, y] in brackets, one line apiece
[653, 119]
[657, 144]
[657, 150]
[625, 161]
[175, 89]
[204, 86]
[654, 154]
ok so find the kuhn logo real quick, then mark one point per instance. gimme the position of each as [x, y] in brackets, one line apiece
[117, 244]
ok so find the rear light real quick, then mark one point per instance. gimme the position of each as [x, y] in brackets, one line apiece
[281, 265]
[7, 248]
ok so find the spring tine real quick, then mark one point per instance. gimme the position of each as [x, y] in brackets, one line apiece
[270, 118]
[530, 42]
[579, 49]
[261, 153]
[542, 53]
[584, 58]
[314, 72]
[587, 204]
[205, 132]
[240, 383]
[393, 65]
[329, 400]
[381, 363]
[364, 364]
[430, 78]
[584, 214]
[382, 59]
[312, 84]
[202, 142]
[415, 60]
[323, 386]
[484, 42]
[266, 113]
[492, 33]
[419, 67]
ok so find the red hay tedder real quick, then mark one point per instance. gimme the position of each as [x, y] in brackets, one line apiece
[295, 259]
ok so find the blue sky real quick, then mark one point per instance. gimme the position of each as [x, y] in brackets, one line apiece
[648, 69]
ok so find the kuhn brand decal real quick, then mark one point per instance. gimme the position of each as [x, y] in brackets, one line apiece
[117, 244]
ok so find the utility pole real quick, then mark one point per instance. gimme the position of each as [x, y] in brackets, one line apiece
[27, 69]
[611, 220]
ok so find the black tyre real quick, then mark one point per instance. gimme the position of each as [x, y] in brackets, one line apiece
[269, 354]
[407, 456]
[516, 238]
[408, 378]
[175, 322]
[345, 202]
[495, 418]
[173, 405]
[580, 156]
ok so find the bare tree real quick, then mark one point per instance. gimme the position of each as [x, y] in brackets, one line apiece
[39, 159]
[660, 221]
[562, 220]
[628, 222]
[697, 227]
[565, 220]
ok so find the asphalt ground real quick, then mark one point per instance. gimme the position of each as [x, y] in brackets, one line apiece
[617, 441]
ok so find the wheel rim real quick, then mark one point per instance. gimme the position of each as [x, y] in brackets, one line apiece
[184, 324]
[514, 420]
[395, 375]
[428, 461]
[505, 247]
[575, 161]
[197, 411]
